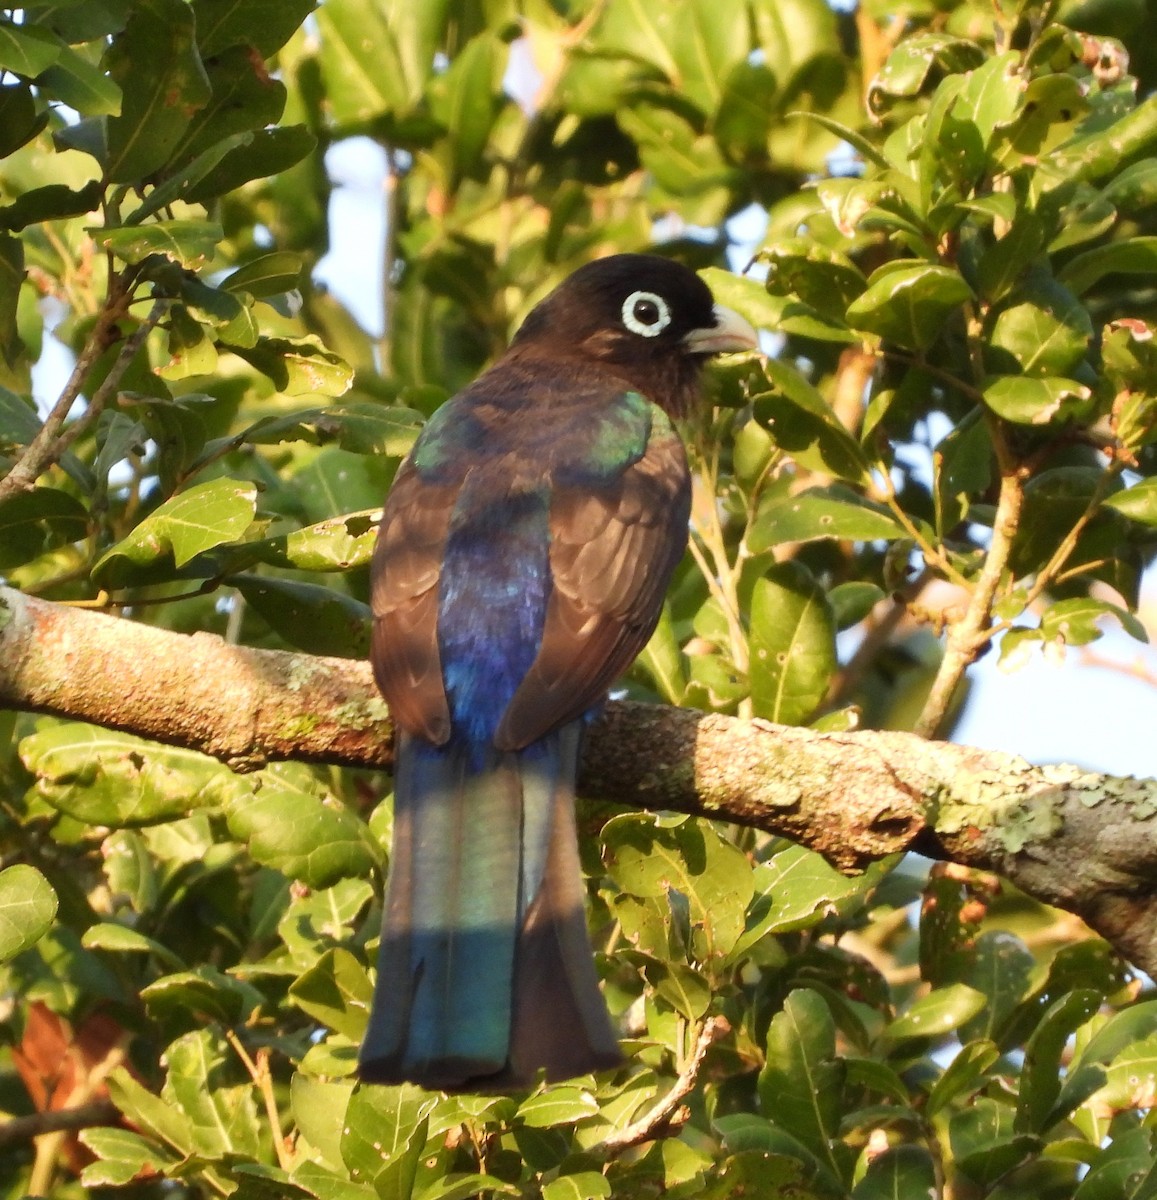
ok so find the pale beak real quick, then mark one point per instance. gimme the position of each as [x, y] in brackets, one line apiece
[730, 332]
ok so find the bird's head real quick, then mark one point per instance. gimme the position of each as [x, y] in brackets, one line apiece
[650, 320]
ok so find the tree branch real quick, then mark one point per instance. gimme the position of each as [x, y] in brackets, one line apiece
[1084, 842]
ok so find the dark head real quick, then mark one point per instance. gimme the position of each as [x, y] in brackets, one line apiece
[651, 320]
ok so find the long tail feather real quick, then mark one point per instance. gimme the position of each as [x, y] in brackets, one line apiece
[485, 971]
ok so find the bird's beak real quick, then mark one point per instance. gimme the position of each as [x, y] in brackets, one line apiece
[730, 332]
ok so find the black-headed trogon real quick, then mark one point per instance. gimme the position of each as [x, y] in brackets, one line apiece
[521, 564]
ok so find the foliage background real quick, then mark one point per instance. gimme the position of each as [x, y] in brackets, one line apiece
[960, 203]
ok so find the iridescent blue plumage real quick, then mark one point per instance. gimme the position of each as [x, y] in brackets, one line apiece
[521, 564]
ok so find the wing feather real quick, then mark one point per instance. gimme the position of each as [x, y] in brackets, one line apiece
[406, 569]
[613, 550]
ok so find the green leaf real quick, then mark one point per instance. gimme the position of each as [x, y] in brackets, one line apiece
[186, 525]
[189, 242]
[1133, 256]
[1047, 333]
[267, 275]
[800, 1086]
[290, 823]
[686, 990]
[966, 1074]
[27, 909]
[339, 544]
[1134, 191]
[268, 153]
[650, 858]
[37, 521]
[359, 62]
[821, 513]
[156, 65]
[962, 466]
[984, 1141]
[582, 1185]
[820, 276]
[299, 366]
[81, 85]
[796, 889]
[559, 1105]
[743, 120]
[384, 1136]
[103, 777]
[1026, 400]
[28, 49]
[11, 279]
[52, 202]
[909, 305]
[177, 186]
[1041, 1075]
[207, 1084]
[745, 295]
[899, 1173]
[120, 939]
[164, 1121]
[308, 616]
[122, 1155]
[358, 427]
[1005, 260]
[1138, 502]
[852, 601]
[465, 99]
[20, 118]
[913, 61]
[1000, 966]
[266, 25]
[1074, 622]
[335, 991]
[792, 644]
[203, 992]
[938, 1012]
[804, 425]
[319, 1108]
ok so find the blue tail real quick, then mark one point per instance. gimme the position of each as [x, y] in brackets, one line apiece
[485, 971]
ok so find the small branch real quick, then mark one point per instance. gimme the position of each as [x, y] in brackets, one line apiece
[1052, 569]
[53, 440]
[968, 635]
[61, 1120]
[391, 185]
[665, 1118]
[262, 1079]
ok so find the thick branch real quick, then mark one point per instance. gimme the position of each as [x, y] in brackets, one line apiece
[1082, 841]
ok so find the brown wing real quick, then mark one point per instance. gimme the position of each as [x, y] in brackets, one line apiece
[406, 565]
[613, 550]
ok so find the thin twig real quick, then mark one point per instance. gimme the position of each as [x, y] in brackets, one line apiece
[53, 440]
[391, 184]
[263, 1080]
[82, 1116]
[967, 636]
[664, 1118]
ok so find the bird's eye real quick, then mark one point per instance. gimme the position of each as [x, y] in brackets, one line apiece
[646, 314]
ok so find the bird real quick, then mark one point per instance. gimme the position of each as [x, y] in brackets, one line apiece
[524, 550]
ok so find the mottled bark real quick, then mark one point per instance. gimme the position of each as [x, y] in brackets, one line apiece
[1082, 841]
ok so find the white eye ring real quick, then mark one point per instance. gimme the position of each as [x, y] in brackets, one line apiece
[637, 323]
